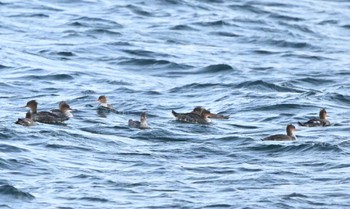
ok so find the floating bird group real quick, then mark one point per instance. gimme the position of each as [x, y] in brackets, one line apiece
[321, 121]
[59, 115]
[198, 115]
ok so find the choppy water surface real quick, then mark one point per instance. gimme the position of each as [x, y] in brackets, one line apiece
[264, 63]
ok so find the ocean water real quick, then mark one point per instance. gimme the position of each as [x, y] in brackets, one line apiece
[265, 63]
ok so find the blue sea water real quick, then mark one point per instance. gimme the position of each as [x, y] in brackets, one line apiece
[265, 63]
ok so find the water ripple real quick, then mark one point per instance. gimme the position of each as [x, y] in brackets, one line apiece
[265, 64]
[13, 192]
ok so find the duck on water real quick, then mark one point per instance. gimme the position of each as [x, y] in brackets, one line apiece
[320, 121]
[201, 117]
[104, 107]
[282, 137]
[142, 124]
[27, 121]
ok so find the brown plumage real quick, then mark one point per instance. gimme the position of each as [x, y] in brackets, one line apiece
[282, 137]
